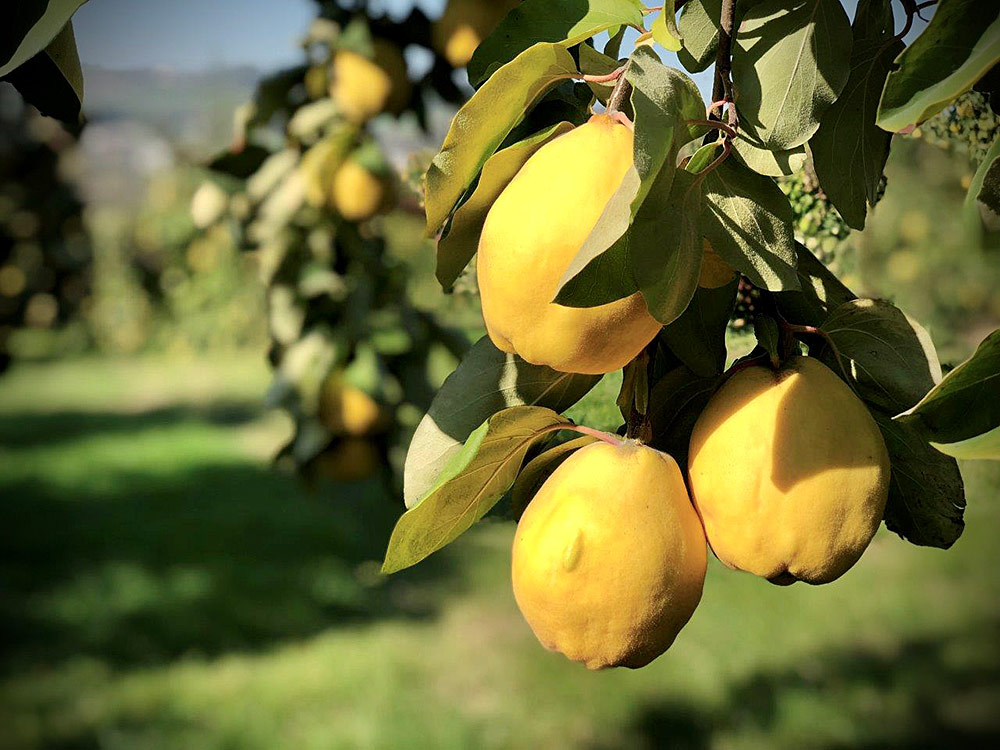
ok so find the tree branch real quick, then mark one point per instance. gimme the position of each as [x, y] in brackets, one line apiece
[620, 93]
[723, 88]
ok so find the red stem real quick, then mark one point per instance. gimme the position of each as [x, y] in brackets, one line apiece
[604, 436]
[614, 75]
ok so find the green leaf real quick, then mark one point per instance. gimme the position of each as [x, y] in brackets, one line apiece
[698, 336]
[665, 247]
[765, 330]
[701, 158]
[982, 202]
[567, 101]
[675, 402]
[470, 484]
[593, 63]
[486, 381]
[961, 414]
[540, 468]
[748, 220]
[483, 122]
[52, 80]
[790, 63]
[849, 150]
[820, 291]
[600, 271]
[698, 25]
[699, 29]
[456, 248]
[615, 36]
[566, 23]
[662, 99]
[29, 27]
[664, 28]
[926, 495]
[770, 163]
[961, 43]
[985, 446]
[891, 358]
[239, 164]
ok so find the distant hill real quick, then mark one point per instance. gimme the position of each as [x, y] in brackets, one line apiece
[192, 110]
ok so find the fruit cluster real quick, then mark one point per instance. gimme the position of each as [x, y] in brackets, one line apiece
[312, 206]
[609, 557]
[969, 126]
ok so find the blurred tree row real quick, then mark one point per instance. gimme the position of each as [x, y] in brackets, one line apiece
[45, 254]
[313, 193]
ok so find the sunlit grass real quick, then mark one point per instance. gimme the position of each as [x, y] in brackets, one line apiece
[162, 588]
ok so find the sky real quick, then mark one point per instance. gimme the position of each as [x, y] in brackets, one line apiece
[198, 34]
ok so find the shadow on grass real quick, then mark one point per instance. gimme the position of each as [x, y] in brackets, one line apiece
[30, 429]
[139, 568]
[928, 693]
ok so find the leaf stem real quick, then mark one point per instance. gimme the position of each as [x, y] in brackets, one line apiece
[827, 339]
[614, 75]
[718, 125]
[677, 6]
[745, 363]
[599, 434]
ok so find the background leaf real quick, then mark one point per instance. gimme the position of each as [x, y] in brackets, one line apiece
[820, 291]
[964, 405]
[239, 164]
[961, 43]
[29, 26]
[456, 248]
[664, 28]
[666, 264]
[698, 24]
[790, 62]
[770, 163]
[748, 220]
[484, 121]
[600, 272]
[662, 99]
[485, 382]
[675, 403]
[765, 330]
[471, 483]
[849, 150]
[926, 494]
[698, 336]
[52, 80]
[982, 203]
[567, 23]
[595, 63]
[890, 357]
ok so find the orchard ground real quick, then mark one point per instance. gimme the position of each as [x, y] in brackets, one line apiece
[163, 589]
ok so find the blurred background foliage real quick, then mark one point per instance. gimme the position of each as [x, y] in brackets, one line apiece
[162, 586]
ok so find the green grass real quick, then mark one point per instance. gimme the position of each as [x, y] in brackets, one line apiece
[161, 587]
